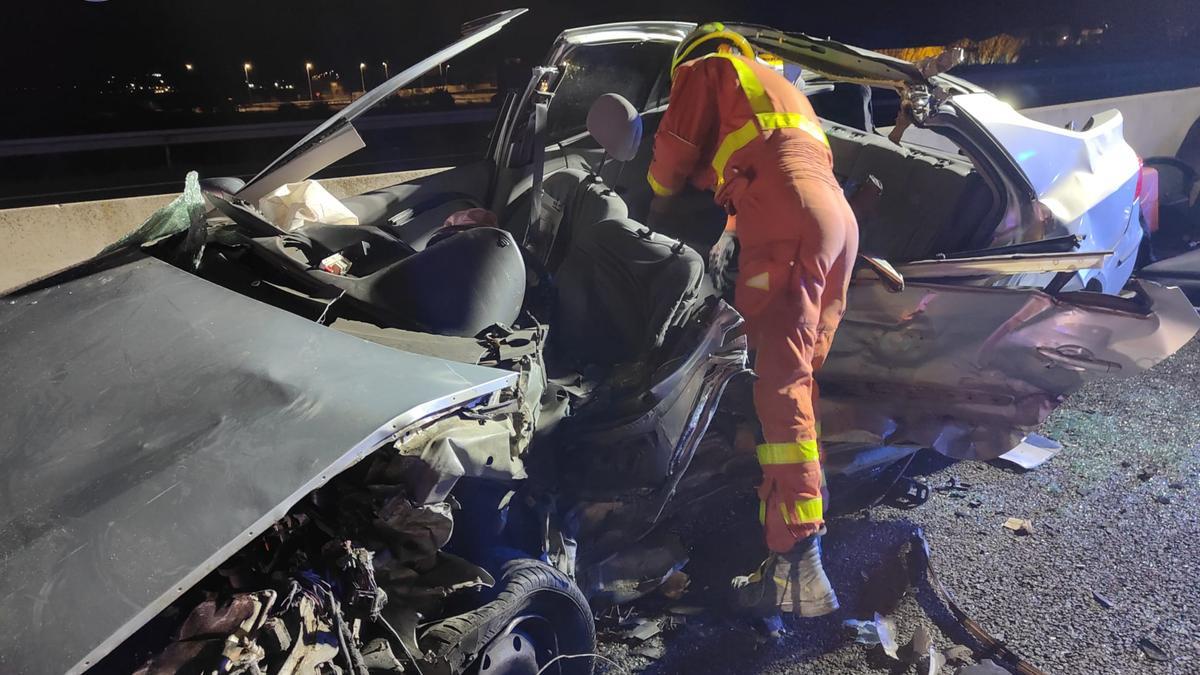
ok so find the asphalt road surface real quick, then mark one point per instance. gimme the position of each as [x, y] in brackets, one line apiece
[1110, 571]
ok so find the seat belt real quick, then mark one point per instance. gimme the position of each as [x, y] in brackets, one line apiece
[533, 232]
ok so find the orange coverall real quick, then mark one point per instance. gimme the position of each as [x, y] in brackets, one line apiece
[741, 129]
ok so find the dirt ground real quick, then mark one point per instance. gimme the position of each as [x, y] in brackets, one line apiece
[1111, 569]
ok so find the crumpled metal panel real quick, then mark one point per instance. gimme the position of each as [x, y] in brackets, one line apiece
[969, 371]
[154, 423]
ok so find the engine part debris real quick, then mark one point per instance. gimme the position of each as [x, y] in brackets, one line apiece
[1032, 452]
[1153, 651]
[880, 631]
[646, 629]
[1019, 526]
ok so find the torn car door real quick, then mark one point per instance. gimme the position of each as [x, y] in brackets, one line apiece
[969, 371]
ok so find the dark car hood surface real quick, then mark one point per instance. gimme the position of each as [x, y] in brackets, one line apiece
[152, 424]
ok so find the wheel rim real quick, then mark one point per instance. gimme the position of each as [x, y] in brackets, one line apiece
[517, 651]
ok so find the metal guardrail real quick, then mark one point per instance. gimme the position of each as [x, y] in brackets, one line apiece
[233, 132]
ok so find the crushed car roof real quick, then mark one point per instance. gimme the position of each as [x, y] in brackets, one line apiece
[164, 423]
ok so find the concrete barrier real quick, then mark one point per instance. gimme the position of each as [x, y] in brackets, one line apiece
[38, 240]
[1155, 123]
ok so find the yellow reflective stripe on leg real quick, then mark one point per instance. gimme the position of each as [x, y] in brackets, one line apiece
[788, 453]
[734, 141]
[762, 512]
[809, 510]
[778, 120]
[659, 189]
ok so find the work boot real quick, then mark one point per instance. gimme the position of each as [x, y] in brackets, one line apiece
[792, 582]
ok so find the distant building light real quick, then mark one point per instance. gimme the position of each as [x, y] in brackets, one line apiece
[158, 75]
[187, 67]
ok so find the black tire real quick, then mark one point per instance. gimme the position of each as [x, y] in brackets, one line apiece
[526, 587]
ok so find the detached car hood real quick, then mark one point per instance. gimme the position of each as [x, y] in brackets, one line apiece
[158, 423]
[336, 138]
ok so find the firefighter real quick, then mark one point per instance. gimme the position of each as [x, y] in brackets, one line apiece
[739, 128]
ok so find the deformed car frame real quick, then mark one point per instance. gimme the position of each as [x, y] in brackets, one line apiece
[327, 441]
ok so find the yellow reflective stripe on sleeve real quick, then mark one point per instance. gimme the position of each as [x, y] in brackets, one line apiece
[809, 511]
[659, 189]
[734, 141]
[776, 120]
[788, 453]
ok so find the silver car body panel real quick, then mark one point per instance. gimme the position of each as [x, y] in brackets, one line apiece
[969, 371]
[140, 396]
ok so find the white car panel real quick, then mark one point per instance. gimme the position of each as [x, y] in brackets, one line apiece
[1085, 179]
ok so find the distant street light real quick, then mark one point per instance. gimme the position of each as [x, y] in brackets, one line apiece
[362, 76]
[246, 70]
[187, 67]
[385, 71]
[308, 66]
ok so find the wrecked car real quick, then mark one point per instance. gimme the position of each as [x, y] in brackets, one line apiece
[399, 447]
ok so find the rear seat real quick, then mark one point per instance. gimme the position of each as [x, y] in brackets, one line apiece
[930, 204]
[621, 289]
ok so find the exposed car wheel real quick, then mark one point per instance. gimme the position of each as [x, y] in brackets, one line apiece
[537, 615]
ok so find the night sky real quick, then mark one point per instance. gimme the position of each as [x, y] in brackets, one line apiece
[64, 42]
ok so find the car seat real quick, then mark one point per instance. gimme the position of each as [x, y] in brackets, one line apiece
[571, 199]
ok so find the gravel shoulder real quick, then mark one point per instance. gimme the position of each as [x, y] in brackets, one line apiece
[1113, 514]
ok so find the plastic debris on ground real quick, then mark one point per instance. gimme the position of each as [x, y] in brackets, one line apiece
[879, 631]
[644, 630]
[1033, 451]
[958, 654]
[1153, 651]
[1019, 526]
[920, 652]
[1102, 600]
[985, 667]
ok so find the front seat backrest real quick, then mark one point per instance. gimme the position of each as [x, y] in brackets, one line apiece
[616, 126]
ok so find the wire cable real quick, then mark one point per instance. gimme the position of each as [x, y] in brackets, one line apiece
[565, 657]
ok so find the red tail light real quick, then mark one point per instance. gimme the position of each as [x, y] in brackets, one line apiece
[1141, 179]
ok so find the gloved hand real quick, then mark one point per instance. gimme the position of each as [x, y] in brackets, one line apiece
[723, 263]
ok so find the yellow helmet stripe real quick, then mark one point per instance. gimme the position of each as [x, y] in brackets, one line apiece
[740, 42]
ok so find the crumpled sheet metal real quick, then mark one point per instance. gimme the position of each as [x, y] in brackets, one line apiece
[151, 431]
[970, 371]
[635, 571]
